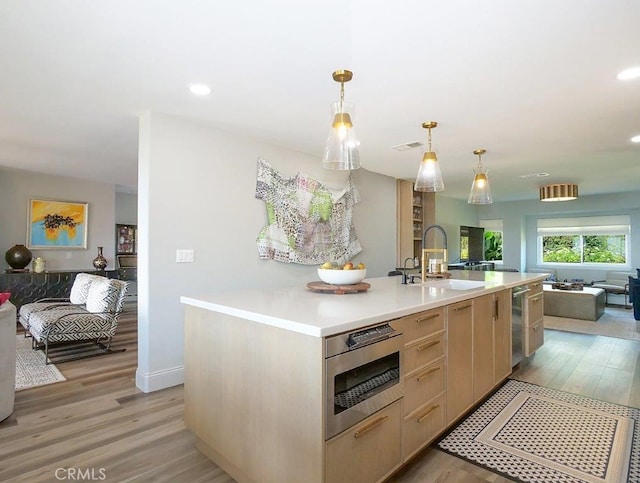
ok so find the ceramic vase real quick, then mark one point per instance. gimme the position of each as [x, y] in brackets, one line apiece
[18, 257]
[100, 263]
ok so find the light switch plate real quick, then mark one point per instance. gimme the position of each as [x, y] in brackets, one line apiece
[184, 256]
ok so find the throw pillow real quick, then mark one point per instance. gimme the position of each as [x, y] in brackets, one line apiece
[104, 295]
[80, 288]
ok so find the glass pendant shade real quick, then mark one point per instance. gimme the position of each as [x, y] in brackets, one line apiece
[429, 175]
[341, 151]
[480, 191]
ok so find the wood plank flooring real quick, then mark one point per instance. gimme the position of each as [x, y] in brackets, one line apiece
[98, 421]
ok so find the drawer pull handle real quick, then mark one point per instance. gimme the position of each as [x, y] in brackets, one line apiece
[462, 308]
[428, 317]
[427, 345]
[429, 411]
[535, 284]
[535, 298]
[369, 426]
[426, 373]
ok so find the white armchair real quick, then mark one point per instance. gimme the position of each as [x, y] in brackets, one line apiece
[616, 283]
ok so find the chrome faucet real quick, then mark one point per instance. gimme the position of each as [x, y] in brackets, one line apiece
[424, 251]
[404, 269]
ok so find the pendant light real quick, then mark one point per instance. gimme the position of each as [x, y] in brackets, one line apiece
[429, 176]
[480, 191]
[341, 151]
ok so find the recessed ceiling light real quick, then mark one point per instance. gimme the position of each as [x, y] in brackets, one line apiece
[635, 139]
[200, 89]
[534, 175]
[406, 146]
[628, 74]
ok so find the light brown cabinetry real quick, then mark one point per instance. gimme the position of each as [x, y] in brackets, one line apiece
[459, 359]
[424, 369]
[234, 392]
[491, 341]
[478, 349]
[368, 451]
[415, 211]
[502, 335]
[483, 346]
[534, 319]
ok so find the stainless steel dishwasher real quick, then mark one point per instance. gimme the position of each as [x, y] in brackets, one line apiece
[518, 309]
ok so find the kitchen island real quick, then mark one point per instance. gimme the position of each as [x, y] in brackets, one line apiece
[255, 372]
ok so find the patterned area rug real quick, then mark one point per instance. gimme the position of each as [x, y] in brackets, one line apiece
[535, 434]
[31, 369]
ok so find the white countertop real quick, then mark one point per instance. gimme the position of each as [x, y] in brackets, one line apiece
[323, 314]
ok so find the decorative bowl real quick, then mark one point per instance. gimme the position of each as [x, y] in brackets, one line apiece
[342, 277]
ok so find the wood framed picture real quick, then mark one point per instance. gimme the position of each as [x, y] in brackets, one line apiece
[126, 239]
[57, 224]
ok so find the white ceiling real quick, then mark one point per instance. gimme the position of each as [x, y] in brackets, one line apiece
[533, 82]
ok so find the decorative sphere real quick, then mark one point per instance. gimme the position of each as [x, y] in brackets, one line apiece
[18, 257]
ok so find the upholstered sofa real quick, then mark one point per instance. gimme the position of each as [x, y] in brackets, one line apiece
[90, 313]
[7, 358]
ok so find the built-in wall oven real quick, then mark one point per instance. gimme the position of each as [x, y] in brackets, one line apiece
[363, 375]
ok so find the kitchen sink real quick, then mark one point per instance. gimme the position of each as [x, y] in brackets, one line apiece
[451, 284]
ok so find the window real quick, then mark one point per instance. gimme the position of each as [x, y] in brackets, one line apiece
[492, 240]
[594, 240]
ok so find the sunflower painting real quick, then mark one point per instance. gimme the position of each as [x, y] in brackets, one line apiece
[57, 224]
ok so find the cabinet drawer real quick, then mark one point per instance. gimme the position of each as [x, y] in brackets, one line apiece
[534, 338]
[420, 325]
[423, 385]
[535, 287]
[368, 451]
[422, 427]
[535, 309]
[423, 352]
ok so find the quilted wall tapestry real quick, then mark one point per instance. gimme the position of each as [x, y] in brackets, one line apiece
[307, 222]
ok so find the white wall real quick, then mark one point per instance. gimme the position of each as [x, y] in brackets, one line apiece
[126, 208]
[450, 214]
[520, 223]
[17, 186]
[197, 191]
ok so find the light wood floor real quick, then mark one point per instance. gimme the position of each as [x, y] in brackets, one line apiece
[97, 420]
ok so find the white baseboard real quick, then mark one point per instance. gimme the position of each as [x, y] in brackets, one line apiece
[154, 381]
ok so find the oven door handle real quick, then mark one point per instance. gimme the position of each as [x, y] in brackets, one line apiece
[352, 344]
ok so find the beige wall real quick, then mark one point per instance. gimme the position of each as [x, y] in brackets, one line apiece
[17, 186]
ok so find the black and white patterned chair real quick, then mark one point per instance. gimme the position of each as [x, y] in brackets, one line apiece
[96, 319]
[77, 298]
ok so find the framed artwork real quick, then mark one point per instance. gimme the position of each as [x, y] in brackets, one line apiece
[57, 224]
[126, 239]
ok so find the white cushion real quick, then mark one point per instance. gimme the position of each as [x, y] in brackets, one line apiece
[80, 288]
[105, 295]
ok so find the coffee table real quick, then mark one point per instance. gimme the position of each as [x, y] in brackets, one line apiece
[585, 304]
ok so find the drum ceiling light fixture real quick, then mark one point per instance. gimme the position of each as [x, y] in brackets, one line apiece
[559, 192]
